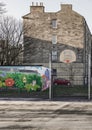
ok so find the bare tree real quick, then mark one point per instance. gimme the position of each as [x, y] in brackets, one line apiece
[11, 37]
[2, 8]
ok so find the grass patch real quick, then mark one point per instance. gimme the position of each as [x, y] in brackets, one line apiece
[70, 91]
[58, 91]
[22, 93]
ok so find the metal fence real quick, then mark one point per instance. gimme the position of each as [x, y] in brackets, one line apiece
[77, 88]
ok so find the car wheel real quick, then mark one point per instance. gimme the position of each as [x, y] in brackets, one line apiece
[55, 84]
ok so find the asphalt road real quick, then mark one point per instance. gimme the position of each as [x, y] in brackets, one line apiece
[45, 115]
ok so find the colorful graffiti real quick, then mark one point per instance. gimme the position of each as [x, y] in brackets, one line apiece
[30, 78]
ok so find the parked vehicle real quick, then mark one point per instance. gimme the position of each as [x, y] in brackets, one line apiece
[61, 81]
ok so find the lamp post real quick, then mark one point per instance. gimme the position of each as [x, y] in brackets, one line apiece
[89, 75]
[50, 67]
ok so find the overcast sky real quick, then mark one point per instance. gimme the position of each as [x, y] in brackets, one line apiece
[18, 8]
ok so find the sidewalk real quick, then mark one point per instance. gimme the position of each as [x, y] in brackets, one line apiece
[66, 98]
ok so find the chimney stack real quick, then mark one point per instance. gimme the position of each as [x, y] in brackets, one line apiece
[66, 7]
[37, 7]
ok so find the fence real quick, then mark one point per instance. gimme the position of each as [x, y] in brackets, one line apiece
[22, 84]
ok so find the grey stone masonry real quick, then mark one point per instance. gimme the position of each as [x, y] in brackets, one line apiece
[58, 32]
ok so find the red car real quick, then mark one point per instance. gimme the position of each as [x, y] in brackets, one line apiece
[60, 81]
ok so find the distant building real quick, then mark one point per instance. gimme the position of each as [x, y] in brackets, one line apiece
[63, 34]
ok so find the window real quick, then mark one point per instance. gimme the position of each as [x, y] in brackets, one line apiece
[54, 23]
[54, 55]
[54, 39]
[54, 72]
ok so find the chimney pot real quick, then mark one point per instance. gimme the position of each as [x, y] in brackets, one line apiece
[36, 3]
[32, 3]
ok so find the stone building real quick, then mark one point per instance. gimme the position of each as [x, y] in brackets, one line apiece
[63, 34]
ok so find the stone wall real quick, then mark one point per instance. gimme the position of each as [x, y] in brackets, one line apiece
[69, 31]
[72, 33]
[37, 50]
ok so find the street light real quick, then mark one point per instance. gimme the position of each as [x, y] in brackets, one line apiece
[50, 67]
[89, 75]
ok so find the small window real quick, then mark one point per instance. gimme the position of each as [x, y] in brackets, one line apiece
[54, 23]
[54, 39]
[54, 55]
[54, 72]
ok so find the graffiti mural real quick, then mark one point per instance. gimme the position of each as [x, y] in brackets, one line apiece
[30, 78]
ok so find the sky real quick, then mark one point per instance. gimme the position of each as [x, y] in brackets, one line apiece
[19, 8]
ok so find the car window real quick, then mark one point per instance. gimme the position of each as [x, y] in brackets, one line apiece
[59, 79]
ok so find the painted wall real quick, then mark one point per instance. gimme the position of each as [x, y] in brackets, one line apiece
[30, 78]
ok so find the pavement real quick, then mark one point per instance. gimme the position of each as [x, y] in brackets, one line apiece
[45, 115]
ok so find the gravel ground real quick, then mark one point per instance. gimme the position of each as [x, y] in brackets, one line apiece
[45, 115]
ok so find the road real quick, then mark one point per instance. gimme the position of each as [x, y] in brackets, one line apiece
[45, 115]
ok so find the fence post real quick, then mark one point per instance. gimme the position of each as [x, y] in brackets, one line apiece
[89, 75]
[50, 67]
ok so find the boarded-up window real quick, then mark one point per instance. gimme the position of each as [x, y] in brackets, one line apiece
[54, 55]
[54, 39]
